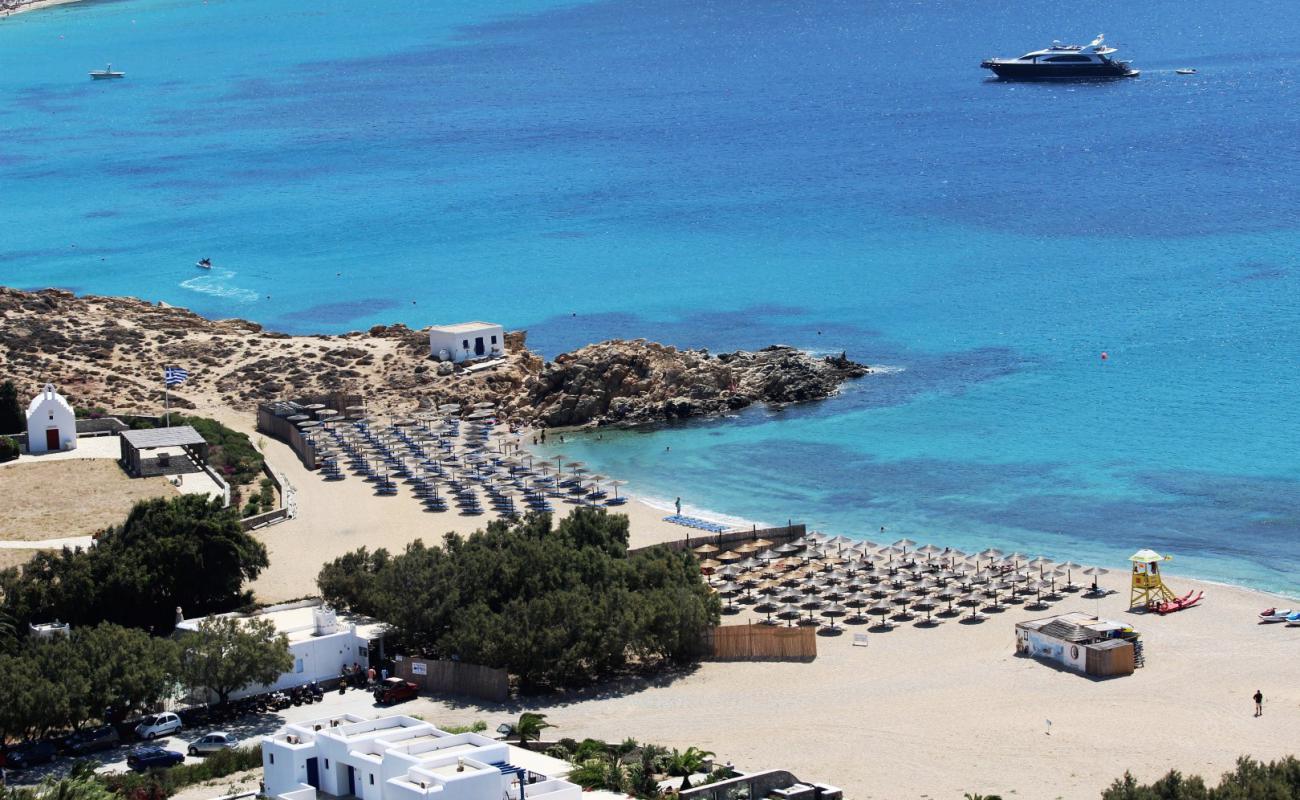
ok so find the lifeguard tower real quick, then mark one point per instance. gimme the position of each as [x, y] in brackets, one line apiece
[1149, 590]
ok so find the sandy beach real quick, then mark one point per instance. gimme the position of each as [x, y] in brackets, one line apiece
[338, 517]
[917, 712]
[935, 713]
[34, 5]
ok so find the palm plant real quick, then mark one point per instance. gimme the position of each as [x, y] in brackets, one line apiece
[685, 764]
[530, 726]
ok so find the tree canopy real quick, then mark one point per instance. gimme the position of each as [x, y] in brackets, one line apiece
[556, 606]
[186, 552]
[12, 417]
[1251, 780]
[227, 654]
[67, 681]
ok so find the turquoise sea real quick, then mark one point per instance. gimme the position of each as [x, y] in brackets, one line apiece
[834, 175]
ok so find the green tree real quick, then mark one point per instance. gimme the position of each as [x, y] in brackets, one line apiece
[1250, 780]
[69, 681]
[685, 764]
[227, 654]
[529, 726]
[556, 606]
[187, 552]
[125, 669]
[12, 417]
[8, 632]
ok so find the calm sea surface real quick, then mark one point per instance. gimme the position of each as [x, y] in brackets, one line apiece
[833, 175]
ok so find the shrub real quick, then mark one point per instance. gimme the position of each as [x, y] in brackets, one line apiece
[229, 451]
[477, 726]
[166, 782]
[9, 449]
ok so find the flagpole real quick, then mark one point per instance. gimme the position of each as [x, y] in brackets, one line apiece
[167, 403]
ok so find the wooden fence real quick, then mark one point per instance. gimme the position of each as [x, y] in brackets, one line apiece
[455, 677]
[761, 643]
[785, 533]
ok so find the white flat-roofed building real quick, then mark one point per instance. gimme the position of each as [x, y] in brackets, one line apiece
[467, 341]
[321, 641]
[51, 423]
[402, 758]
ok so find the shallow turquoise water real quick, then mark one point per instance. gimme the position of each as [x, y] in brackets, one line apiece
[837, 176]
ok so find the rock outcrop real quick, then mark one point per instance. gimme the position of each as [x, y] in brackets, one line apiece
[110, 352]
[628, 382]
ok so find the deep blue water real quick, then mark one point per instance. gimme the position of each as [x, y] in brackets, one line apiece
[834, 175]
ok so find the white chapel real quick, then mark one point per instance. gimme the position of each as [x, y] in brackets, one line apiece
[51, 424]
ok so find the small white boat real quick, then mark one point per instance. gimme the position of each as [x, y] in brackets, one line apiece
[106, 73]
[1185, 71]
[1275, 614]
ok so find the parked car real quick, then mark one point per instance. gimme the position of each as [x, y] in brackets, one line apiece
[395, 690]
[29, 754]
[153, 726]
[217, 740]
[152, 756]
[105, 737]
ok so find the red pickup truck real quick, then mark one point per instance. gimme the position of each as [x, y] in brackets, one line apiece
[395, 690]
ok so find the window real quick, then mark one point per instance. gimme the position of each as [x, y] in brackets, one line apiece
[1074, 59]
[494, 340]
[297, 665]
[327, 763]
[464, 344]
[372, 779]
[272, 755]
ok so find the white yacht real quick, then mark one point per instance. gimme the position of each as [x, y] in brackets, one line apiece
[1063, 62]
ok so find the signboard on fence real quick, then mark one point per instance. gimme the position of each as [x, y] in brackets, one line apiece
[419, 668]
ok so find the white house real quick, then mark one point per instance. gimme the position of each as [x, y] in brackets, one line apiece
[51, 423]
[466, 341]
[403, 758]
[320, 642]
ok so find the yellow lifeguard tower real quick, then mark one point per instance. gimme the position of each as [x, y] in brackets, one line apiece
[1149, 588]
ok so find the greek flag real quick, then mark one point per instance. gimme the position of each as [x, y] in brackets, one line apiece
[174, 376]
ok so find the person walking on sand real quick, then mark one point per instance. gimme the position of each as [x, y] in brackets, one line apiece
[679, 506]
[1259, 703]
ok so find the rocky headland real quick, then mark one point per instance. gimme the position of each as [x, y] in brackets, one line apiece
[109, 352]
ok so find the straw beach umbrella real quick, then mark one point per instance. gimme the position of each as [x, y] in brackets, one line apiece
[1068, 569]
[831, 612]
[789, 612]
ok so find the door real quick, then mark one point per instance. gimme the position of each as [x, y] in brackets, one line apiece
[478, 346]
[52, 434]
[313, 773]
[352, 780]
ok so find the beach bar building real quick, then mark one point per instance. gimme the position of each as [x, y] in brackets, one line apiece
[51, 423]
[1080, 642]
[467, 341]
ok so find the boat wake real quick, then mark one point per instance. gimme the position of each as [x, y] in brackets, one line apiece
[219, 285]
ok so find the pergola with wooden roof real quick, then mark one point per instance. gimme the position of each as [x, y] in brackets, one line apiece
[181, 436]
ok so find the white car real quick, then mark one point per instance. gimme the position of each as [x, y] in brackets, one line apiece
[217, 740]
[153, 726]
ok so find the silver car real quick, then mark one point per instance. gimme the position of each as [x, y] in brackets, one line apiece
[217, 740]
